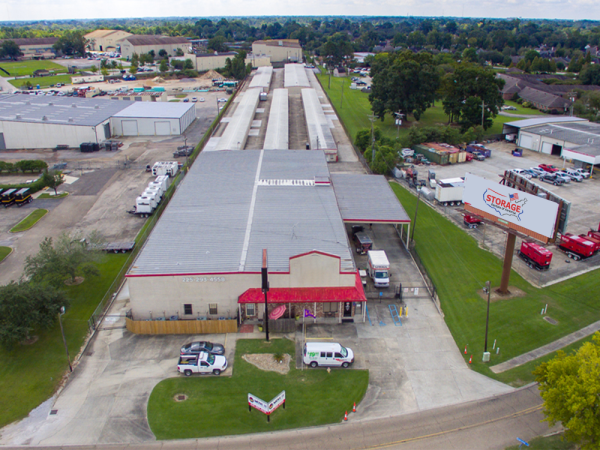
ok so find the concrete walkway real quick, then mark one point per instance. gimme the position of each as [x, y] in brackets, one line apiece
[546, 349]
[6, 87]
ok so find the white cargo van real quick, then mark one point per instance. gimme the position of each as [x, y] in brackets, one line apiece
[327, 354]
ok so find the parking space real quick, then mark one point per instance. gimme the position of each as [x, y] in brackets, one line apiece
[584, 214]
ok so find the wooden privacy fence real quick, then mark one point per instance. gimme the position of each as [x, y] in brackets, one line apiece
[181, 326]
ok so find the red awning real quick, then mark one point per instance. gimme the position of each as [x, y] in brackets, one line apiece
[354, 293]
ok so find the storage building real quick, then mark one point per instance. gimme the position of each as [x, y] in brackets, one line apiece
[143, 44]
[280, 50]
[35, 48]
[30, 121]
[205, 254]
[153, 119]
[105, 40]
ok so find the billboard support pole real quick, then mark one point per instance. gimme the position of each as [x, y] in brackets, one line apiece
[508, 256]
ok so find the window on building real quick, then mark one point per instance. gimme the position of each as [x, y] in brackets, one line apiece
[330, 307]
[187, 309]
[250, 309]
[212, 309]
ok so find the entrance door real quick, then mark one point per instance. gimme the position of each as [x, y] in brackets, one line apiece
[130, 127]
[347, 309]
[162, 128]
[107, 131]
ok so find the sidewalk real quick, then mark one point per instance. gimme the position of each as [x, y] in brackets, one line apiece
[546, 349]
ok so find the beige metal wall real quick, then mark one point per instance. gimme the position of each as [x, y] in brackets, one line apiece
[181, 326]
[278, 53]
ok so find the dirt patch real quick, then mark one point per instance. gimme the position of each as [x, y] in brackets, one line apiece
[513, 292]
[267, 362]
[76, 282]
[180, 397]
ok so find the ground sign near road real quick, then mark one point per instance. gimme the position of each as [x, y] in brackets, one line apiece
[524, 213]
[264, 407]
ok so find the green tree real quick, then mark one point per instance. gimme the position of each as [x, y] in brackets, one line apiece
[217, 44]
[188, 64]
[133, 69]
[135, 59]
[163, 53]
[404, 83]
[69, 258]
[94, 69]
[10, 49]
[72, 42]
[590, 74]
[53, 179]
[164, 66]
[469, 55]
[570, 387]
[26, 306]
[472, 81]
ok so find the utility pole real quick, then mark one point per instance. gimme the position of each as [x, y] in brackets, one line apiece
[487, 318]
[412, 232]
[482, 111]
[265, 289]
[62, 331]
[372, 119]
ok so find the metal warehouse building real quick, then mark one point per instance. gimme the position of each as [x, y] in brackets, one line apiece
[28, 121]
[570, 138]
[204, 257]
[153, 119]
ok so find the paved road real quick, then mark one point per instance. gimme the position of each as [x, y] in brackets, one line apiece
[492, 423]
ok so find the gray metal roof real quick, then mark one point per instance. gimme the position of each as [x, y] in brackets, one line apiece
[236, 133]
[156, 110]
[319, 132]
[224, 214]
[262, 77]
[579, 133]
[295, 76]
[277, 135]
[541, 121]
[58, 110]
[367, 198]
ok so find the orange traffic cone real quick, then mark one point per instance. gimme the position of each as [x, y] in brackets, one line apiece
[465, 349]
[354, 407]
[346, 416]
[471, 359]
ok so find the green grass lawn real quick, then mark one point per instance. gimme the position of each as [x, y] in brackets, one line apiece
[29, 221]
[522, 110]
[44, 82]
[22, 68]
[30, 374]
[459, 268]
[4, 252]
[354, 111]
[218, 406]
[47, 195]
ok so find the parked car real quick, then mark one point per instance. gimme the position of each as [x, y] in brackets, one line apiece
[548, 168]
[583, 173]
[531, 172]
[194, 99]
[222, 100]
[508, 108]
[552, 179]
[201, 99]
[539, 171]
[563, 176]
[523, 173]
[203, 363]
[194, 348]
[186, 100]
[572, 175]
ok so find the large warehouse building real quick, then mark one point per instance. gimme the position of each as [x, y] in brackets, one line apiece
[571, 138]
[28, 121]
[153, 119]
[204, 256]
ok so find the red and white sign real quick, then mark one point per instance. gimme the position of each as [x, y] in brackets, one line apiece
[264, 407]
[510, 205]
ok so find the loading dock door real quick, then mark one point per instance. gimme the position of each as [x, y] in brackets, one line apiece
[2, 143]
[556, 149]
[162, 128]
[546, 148]
[525, 141]
[130, 127]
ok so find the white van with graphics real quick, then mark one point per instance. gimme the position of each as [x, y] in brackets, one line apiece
[327, 354]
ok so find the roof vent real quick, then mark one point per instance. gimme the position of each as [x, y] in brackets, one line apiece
[322, 181]
[28, 102]
[50, 104]
[44, 118]
[96, 106]
[73, 105]
[71, 120]
[18, 117]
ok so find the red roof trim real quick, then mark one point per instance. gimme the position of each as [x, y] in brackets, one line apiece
[354, 293]
[376, 221]
[193, 274]
[315, 251]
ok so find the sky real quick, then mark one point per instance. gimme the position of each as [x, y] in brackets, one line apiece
[94, 9]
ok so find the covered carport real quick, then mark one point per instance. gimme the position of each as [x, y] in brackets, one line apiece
[369, 199]
[583, 155]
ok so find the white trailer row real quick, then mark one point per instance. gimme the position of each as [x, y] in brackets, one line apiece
[149, 200]
[319, 131]
[235, 135]
[165, 168]
[277, 136]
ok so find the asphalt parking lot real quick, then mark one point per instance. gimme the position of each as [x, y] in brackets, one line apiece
[584, 215]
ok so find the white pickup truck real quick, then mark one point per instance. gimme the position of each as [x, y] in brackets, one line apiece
[202, 363]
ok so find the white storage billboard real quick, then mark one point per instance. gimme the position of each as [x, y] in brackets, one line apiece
[510, 205]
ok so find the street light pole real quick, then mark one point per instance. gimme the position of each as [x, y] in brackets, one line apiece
[265, 289]
[62, 331]
[487, 318]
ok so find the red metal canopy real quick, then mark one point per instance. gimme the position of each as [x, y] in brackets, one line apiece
[354, 293]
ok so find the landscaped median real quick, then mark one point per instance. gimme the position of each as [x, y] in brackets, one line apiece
[459, 270]
[29, 221]
[218, 406]
[4, 252]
